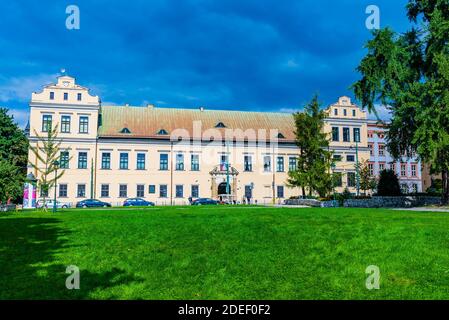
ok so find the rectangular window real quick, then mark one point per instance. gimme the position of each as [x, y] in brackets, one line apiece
[163, 161]
[179, 191]
[356, 133]
[223, 162]
[195, 162]
[163, 191]
[140, 192]
[179, 162]
[247, 163]
[280, 191]
[65, 124]
[371, 169]
[335, 134]
[84, 125]
[104, 190]
[381, 167]
[78, 97]
[413, 170]
[350, 158]
[403, 170]
[267, 163]
[404, 188]
[353, 113]
[66, 96]
[371, 149]
[64, 160]
[414, 188]
[248, 192]
[82, 160]
[336, 157]
[291, 164]
[106, 160]
[152, 189]
[43, 193]
[335, 112]
[52, 95]
[346, 136]
[338, 180]
[81, 192]
[123, 161]
[62, 190]
[280, 164]
[195, 191]
[381, 149]
[46, 122]
[345, 113]
[141, 161]
[351, 179]
[123, 191]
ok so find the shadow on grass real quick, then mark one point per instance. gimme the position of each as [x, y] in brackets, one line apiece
[29, 266]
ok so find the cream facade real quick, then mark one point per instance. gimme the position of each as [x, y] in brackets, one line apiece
[167, 155]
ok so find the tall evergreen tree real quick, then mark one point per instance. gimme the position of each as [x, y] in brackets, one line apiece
[13, 158]
[410, 74]
[315, 159]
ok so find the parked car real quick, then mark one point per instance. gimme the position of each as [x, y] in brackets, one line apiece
[91, 203]
[204, 201]
[137, 202]
[50, 202]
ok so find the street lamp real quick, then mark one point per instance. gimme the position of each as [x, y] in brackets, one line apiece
[357, 175]
[333, 178]
[55, 164]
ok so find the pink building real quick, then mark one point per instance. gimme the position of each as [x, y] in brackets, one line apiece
[408, 170]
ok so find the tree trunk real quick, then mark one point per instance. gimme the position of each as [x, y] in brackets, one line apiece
[445, 183]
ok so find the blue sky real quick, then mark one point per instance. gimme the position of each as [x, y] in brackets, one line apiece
[221, 54]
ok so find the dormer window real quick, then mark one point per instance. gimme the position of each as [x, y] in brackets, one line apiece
[52, 95]
[281, 136]
[162, 132]
[125, 130]
[335, 112]
[220, 125]
[66, 96]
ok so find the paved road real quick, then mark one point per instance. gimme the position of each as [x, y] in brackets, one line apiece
[425, 209]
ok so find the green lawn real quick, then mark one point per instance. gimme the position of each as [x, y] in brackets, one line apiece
[225, 253]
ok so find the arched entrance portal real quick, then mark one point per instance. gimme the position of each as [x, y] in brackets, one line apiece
[222, 189]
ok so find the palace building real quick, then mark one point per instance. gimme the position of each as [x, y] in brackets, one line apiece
[167, 155]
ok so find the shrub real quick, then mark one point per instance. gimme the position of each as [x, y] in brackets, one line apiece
[388, 184]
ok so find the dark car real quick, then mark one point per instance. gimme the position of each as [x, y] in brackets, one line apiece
[137, 202]
[91, 203]
[204, 201]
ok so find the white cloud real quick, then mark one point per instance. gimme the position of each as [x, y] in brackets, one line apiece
[382, 112]
[20, 88]
[20, 116]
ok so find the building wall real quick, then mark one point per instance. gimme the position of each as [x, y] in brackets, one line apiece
[408, 170]
[263, 183]
[345, 115]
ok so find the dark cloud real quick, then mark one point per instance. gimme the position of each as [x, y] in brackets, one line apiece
[233, 54]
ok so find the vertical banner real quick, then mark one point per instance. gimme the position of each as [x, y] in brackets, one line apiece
[29, 196]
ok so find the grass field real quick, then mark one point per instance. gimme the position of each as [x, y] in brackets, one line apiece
[225, 253]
